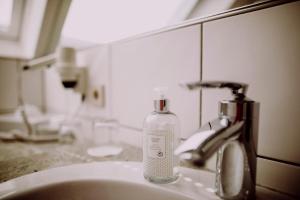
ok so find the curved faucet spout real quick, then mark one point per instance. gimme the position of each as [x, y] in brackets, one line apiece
[208, 139]
[233, 135]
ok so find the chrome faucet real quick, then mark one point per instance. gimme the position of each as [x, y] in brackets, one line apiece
[233, 135]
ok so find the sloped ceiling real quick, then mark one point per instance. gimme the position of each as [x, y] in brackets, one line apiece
[41, 28]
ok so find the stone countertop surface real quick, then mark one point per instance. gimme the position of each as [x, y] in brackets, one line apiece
[21, 158]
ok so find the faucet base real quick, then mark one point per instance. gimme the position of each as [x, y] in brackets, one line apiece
[233, 178]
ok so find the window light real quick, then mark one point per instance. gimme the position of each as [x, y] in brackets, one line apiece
[103, 21]
[6, 8]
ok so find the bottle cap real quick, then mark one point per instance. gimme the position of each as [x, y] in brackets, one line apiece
[161, 103]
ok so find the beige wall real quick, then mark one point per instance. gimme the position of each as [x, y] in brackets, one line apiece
[8, 85]
[32, 86]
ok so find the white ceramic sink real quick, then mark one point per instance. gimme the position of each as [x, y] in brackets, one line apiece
[106, 180]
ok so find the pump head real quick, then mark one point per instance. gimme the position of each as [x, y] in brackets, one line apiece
[161, 91]
[161, 103]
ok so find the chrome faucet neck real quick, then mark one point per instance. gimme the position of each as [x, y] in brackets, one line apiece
[233, 135]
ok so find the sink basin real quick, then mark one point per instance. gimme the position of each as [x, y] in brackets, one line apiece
[106, 180]
[109, 190]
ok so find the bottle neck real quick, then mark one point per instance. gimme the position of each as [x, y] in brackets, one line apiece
[161, 106]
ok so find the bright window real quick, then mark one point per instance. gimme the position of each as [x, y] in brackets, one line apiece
[103, 21]
[11, 14]
[6, 8]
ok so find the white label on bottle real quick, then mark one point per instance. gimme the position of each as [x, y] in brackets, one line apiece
[156, 146]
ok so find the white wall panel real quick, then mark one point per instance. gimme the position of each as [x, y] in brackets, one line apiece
[260, 48]
[32, 87]
[279, 176]
[164, 59]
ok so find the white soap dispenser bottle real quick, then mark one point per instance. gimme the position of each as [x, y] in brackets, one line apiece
[160, 139]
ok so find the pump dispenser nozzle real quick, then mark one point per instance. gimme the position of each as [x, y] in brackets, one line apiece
[161, 92]
[161, 104]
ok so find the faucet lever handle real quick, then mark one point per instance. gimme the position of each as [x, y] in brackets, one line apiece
[238, 89]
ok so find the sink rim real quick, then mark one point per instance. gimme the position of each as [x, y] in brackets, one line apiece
[97, 181]
[129, 172]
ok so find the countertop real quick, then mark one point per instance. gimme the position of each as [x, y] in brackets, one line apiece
[20, 158]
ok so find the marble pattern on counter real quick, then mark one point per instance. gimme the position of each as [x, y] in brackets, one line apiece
[18, 158]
